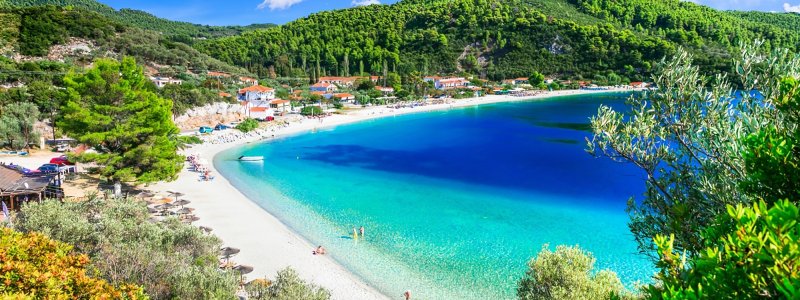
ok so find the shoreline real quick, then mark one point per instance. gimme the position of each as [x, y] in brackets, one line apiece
[267, 243]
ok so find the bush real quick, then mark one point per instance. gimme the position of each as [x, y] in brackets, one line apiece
[311, 110]
[751, 253]
[287, 286]
[247, 125]
[37, 267]
[567, 274]
[170, 260]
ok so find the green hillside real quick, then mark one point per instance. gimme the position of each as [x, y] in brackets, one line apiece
[788, 21]
[142, 19]
[32, 31]
[498, 39]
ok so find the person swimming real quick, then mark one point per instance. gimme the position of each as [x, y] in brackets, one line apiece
[407, 294]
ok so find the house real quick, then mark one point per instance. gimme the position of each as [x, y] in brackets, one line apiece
[260, 112]
[638, 84]
[256, 92]
[248, 81]
[516, 81]
[258, 109]
[280, 105]
[340, 81]
[161, 82]
[451, 83]
[218, 74]
[385, 90]
[19, 185]
[345, 97]
[323, 87]
[431, 78]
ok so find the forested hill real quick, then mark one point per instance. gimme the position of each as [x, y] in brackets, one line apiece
[33, 31]
[498, 39]
[144, 20]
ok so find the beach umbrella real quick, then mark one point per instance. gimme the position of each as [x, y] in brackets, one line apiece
[206, 229]
[182, 202]
[189, 219]
[152, 210]
[227, 252]
[164, 206]
[176, 194]
[146, 194]
[185, 211]
[242, 269]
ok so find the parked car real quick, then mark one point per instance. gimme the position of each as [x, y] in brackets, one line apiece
[61, 160]
[48, 168]
[221, 127]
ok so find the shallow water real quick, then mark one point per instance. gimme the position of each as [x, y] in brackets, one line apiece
[454, 202]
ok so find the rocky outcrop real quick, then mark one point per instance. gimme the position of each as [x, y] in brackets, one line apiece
[210, 115]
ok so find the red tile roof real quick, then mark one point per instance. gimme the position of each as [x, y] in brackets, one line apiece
[258, 109]
[322, 84]
[343, 95]
[224, 94]
[279, 101]
[256, 88]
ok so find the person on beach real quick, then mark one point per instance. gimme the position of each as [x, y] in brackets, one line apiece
[355, 234]
[319, 251]
[407, 294]
[361, 230]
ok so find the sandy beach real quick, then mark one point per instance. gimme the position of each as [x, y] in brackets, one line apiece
[265, 242]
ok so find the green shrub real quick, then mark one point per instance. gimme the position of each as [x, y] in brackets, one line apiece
[751, 253]
[567, 273]
[247, 125]
[287, 286]
[311, 110]
[170, 260]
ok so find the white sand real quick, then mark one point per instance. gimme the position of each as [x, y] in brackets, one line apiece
[266, 243]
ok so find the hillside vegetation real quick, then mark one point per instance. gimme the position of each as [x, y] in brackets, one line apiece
[497, 39]
[32, 31]
[141, 19]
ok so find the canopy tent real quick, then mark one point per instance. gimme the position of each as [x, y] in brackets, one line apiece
[16, 186]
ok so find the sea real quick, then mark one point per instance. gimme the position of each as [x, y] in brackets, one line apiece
[454, 203]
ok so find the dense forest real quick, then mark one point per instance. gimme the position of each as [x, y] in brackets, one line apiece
[497, 39]
[182, 31]
[31, 31]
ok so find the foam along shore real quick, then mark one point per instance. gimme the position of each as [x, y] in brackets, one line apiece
[265, 242]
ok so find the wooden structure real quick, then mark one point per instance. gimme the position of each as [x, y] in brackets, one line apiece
[17, 187]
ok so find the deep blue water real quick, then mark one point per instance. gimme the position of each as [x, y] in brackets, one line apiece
[454, 202]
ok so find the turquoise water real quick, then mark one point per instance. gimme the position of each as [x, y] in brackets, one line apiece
[454, 202]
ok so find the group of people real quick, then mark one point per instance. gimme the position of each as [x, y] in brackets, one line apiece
[199, 166]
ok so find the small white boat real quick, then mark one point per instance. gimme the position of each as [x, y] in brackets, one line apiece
[251, 158]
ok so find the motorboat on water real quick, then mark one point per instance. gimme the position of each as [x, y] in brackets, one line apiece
[251, 158]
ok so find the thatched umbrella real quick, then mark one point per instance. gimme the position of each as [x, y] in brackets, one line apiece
[164, 206]
[242, 270]
[146, 194]
[189, 219]
[182, 202]
[206, 229]
[152, 210]
[176, 194]
[227, 252]
[185, 211]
